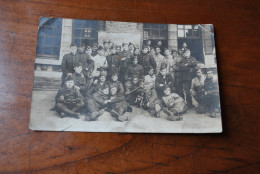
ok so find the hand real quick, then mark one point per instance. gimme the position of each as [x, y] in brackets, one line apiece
[82, 75]
[161, 85]
[69, 74]
[77, 87]
[127, 93]
[61, 98]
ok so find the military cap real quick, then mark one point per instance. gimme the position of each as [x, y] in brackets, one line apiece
[77, 63]
[145, 46]
[130, 43]
[123, 44]
[163, 66]
[100, 48]
[103, 73]
[69, 78]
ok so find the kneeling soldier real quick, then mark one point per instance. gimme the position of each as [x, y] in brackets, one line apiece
[68, 99]
[173, 105]
[96, 106]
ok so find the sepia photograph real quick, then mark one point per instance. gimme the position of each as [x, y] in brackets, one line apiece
[111, 76]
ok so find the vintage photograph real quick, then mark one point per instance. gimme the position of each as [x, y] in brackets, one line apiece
[110, 76]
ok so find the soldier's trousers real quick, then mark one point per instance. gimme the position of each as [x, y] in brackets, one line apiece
[211, 102]
[119, 107]
[69, 109]
[186, 88]
[92, 106]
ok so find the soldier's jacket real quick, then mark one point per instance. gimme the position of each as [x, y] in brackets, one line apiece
[147, 60]
[100, 98]
[93, 89]
[176, 67]
[211, 86]
[113, 61]
[197, 86]
[68, 63]
[72, 95]
[125, 56]
[173, 101]
[80, 81]
[87, 65]
[134, 70]
[159, 60]
[187, 67]
[169, 62]
[160, 83]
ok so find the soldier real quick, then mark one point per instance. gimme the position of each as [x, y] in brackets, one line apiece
[68, 62]
[94, 49]
[183, 49]
[134, 69]
[125, 56]
[131, 47]
[100, 62]
[106, 48]
[211, 95]
[197, 91]
[118, 49]
[177, 72]
[134, 91]
[148, 44]
[115, 82]
[168, 60]
[146, 60]
[158, 59]
[113, 61]
[172, 104]
[117, 105]
[79, 78]
[68, 99]
[162, 80]
[187, 67]
[96, 107]
[160, 45]
[137, 51]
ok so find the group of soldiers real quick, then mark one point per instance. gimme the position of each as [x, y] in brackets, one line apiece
[113, 78]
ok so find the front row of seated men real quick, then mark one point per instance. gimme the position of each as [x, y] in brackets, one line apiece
[155, 94]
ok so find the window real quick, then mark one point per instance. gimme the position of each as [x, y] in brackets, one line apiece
[189, 31]
[49, 38]
[85, 31]
[155, 31]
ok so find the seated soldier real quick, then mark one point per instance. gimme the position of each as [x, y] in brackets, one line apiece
[134, 69]
[163, 79]
[172, 104]
[118, 104]
[197, 91]
[96, 106]
[79, 78]
[149, 89]
[97, 85]
[211, 94]
[134, 91]
[115, 82]
[68, 99]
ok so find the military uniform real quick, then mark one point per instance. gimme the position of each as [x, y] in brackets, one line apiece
[67, 65]
[94, 88]
[147, 61]
[87, 68]
[211, 97]
[100, 62]
[150, 92]
[161, 82]
[124, 56]
[187, 67]
[174, 103]
[158, 59]
[134, 70]
[113, 62]
[177, 75]
[80, 81]
[170, 63]
[72, 102]
[136, 93]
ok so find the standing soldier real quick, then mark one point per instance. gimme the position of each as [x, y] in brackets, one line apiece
[177, 72]
[183, 49]
[146, 60]
[125, 56]
[68, 62]
[113, 61]
[158, 59]
[131, 47]
[106, 48]
[168, 60]
[187, 67]
[68, 99]
[100, 62]
[134, 69]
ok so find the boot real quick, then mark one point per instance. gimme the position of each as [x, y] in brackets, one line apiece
[175, 118]
[122, 118]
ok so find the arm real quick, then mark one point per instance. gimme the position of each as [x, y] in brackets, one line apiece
[153, 62]
[63, 65]
[98, 98]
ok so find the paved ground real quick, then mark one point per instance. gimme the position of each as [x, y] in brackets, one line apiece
[139, 121]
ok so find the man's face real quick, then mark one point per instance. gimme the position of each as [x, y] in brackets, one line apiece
[184, 45]
[95, 47]
[102, 79]
[174, 54]
[148, 42]
[159, 43]
[167, 91]
[198, 73]
[157, 50]
[113, 50]
[89, 51]
[135, 80]
[113, 91]
[152, 51]
[114, 77]
[73, 49]
[125, 47]
[151, 72]
[163, 72]
[131, 47]
[167, 52]
[135, 61]
[101, 52]
[78, 69]
[69, 84]
[118, 49]
[186, 54]
[81, 49]
[137, 51]
[105, 91]
[145, 50]
[209, 74]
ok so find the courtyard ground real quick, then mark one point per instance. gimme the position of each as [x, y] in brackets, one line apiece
[139, 121]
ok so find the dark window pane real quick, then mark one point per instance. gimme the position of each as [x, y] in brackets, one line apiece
[77, 41]
[57, 31]
[94, 25]
[56, 41]
[76, 23]
[47, 50]
[56, 51]
[48, 41]
[49, 31]
[39, 49]
[77, 32]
